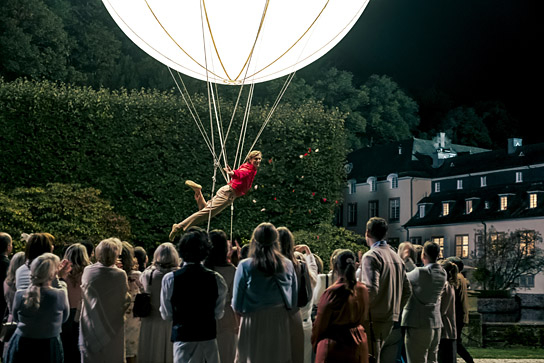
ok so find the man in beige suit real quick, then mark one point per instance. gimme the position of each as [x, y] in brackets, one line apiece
[384, 275]
[421, 315]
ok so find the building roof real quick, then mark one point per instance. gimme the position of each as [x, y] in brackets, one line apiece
[492, 160]
[518, 205]
[411, 157]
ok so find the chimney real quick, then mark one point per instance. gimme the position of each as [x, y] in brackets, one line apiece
[442, 140]
[513, 144]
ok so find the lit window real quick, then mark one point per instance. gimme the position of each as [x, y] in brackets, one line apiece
[519, 176]
[394, 210]
[422, 211]
[468, 206]
[440, 242]
[527, 242]
[483, 181]
[533, 200]
[504, 202]
[459, 184]
[437, 187]
[461, 245]
[445, 208]
[372, 208]
[352, 214]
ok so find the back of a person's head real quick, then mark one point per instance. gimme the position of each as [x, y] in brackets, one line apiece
[77, 255]
[42, 271]
[334, 256]
[141, 257]
[287, 242]
[5, 242]
[89, 246]
[17, 260]
[319, 263]
[194, 245]
[377, 228]
[345, 267]
[457, 260]
[127, 257]
[108, 250]
[166, 256]
[452, 271]
[38, 244]
[407, 246]
[419, 250]
[431, 250]
[264, 249]
[219, 249]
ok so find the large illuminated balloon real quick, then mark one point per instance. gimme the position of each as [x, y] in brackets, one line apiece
[236, 41]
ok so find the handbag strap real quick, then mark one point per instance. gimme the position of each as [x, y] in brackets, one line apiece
[372, 337]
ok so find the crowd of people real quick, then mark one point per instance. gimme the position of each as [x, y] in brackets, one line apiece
[213, 301]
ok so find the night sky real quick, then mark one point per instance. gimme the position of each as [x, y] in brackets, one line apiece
[472, 50]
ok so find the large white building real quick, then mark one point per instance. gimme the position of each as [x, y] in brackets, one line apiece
[450, 194]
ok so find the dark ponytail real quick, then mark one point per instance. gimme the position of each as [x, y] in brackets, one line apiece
[345, 267]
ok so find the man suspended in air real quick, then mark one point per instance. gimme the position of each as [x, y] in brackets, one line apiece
[239, 184]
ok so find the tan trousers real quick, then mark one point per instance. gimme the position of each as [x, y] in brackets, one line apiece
[376, 341]
[223, 198]
[422, 344]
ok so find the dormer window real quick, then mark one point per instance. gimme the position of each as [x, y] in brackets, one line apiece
[519, 176]
[486, 204]
[422, 211]
[352, 186]
[483, 181]
[504, 202]
[393, 180]
[372, 183]
[459, 184]
[468, 206]
[437, 187]
[533, 200]
[445, 208]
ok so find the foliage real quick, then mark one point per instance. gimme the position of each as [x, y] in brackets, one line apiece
[71, 213]
[464, 126]
[390, 114]
[33, 42]
[139, 147]
[324, 239]
[503, 257]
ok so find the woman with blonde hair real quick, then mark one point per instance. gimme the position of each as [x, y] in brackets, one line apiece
[77, 255]
[265, 290]
[40, 311]
[155, 344]
[105, 300]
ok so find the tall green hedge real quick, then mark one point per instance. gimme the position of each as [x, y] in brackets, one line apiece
[138, 148]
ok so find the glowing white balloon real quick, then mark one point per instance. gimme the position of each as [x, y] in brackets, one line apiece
[227, 41]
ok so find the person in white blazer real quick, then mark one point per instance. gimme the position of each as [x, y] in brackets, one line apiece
[421, 315]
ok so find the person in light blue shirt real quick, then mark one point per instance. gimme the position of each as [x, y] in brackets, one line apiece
[264, 292]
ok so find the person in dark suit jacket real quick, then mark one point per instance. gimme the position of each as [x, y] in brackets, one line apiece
[421, 315]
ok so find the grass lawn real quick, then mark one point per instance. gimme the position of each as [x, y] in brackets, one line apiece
[508, 353]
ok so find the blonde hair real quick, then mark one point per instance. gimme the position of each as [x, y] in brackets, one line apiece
[17, 261]
[42, 270]
[77, 255]
[252, 155]
[108, 250]
[166, 257]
